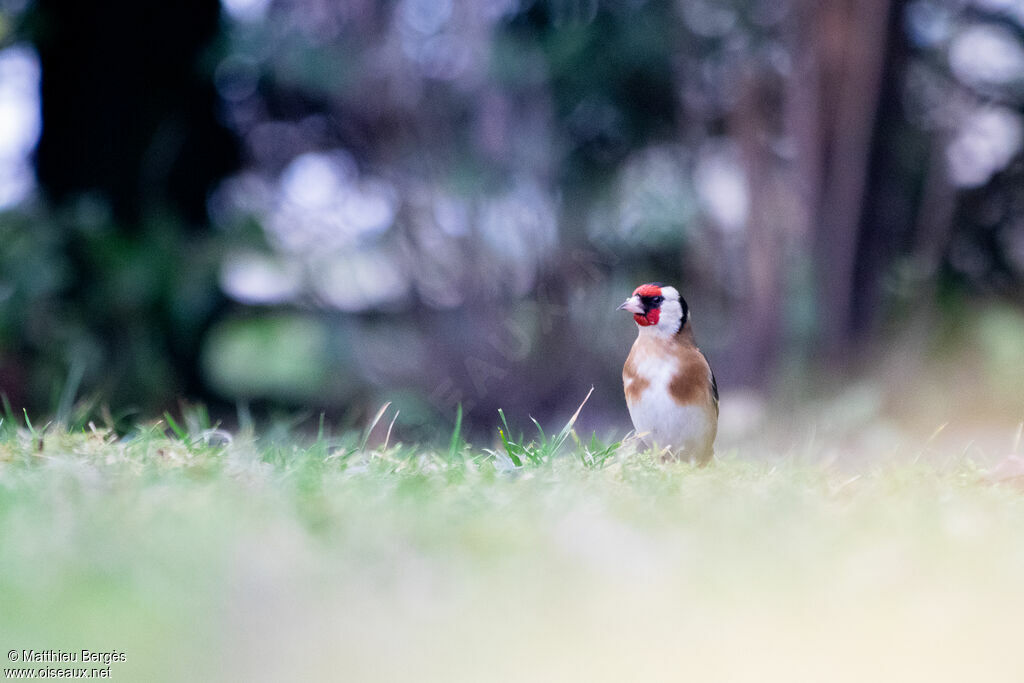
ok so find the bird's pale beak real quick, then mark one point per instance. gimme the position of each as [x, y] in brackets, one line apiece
[632, 304]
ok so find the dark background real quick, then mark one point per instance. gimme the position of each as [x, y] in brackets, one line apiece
[278, 206]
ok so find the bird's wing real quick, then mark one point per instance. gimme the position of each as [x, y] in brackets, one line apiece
[714, 383]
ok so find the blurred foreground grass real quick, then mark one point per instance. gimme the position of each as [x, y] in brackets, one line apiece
[204, 557]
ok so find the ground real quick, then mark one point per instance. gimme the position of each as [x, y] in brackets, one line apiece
[207, 556]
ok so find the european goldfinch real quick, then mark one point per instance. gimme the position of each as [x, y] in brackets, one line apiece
[671, 391]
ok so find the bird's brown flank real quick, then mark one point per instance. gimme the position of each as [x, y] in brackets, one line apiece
[635, 385]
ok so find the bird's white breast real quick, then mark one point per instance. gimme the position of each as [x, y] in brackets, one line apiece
[656, 415]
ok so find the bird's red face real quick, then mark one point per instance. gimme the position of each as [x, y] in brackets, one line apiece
[645, 305]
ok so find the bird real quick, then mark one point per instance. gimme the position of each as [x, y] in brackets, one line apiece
[671, 392]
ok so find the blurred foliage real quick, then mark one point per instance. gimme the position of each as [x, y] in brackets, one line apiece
[1001, 338]
[609, 71]
[126, 332]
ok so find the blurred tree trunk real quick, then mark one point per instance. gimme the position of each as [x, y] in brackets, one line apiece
[768, 225]
[129, 111]
[131, 125]
[850, 43]
[822, 179]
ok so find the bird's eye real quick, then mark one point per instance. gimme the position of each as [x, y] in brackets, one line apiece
[657, 300]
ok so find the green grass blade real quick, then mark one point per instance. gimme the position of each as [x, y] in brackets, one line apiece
[70, 390]
[8, 410]
[567, 429]
[540, 430]
[175, 427]
[372, 425]
[513, 456]
[454, 445]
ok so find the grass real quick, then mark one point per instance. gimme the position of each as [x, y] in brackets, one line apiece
[208, 556]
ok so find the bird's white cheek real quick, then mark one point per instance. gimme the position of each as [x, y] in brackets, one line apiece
[671, 313]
